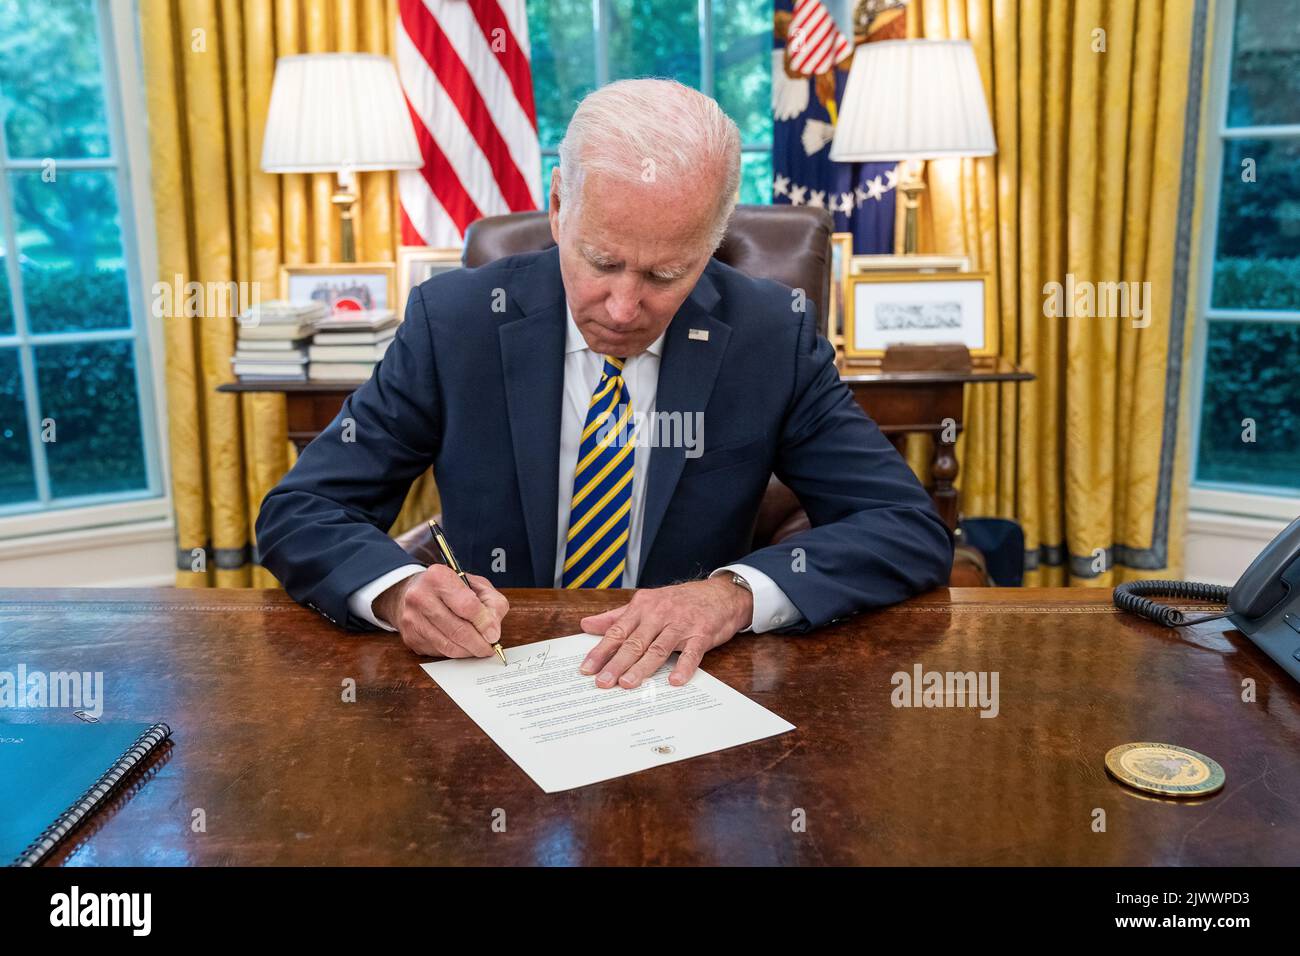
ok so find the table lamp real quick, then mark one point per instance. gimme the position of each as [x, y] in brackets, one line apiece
[340, 113]
[909, 101]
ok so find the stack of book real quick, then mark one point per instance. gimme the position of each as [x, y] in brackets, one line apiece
[348, 345]
[272, 340]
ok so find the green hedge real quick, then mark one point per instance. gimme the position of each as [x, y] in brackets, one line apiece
[1257, 283]
[62, 299]
[1250, 373]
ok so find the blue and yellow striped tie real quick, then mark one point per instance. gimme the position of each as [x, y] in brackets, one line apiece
[595, 554]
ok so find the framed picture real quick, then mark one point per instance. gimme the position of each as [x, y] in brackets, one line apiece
[417, 263]
[910, 263]
[889, 308]
[841, 257]
[343, 286]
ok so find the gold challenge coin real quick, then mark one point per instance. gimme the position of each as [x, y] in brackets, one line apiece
[1164, 769]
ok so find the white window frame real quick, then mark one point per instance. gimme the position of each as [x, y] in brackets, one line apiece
[124, 102]
[1278, 505]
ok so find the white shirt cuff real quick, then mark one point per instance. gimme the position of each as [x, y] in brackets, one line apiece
[360, 600]
[772, 609]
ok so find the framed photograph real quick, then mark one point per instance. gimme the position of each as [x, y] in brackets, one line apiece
[889, 308]
[417, 263]
[912, 263]
[343, 286]
[841, 258]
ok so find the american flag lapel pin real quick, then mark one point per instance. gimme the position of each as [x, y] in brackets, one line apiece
[698, 335]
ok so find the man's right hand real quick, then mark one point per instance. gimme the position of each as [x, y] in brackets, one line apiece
[438, 616]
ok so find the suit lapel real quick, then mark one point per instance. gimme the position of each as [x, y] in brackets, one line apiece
[532, 359]
[687, 371]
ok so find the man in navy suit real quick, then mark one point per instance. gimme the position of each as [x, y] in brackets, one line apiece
[607, 413]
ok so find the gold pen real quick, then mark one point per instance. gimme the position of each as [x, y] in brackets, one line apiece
[440, 540]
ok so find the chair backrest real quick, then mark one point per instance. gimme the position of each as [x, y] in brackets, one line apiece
[790, 244]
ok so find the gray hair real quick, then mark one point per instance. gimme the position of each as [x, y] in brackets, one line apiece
[628, 127]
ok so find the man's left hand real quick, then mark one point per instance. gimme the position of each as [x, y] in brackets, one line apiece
[638, 637]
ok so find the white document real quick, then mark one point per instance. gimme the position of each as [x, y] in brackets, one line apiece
[565, 732]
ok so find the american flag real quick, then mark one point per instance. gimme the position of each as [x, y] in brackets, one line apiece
[814, 42]
[464, 66]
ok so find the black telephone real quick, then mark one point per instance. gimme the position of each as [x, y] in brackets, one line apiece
[1264, 604]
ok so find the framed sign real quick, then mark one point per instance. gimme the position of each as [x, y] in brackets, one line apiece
[889, 308]
[417, 263]
[343, 286]
[912, 262]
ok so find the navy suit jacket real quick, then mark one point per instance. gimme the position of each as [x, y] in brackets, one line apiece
[472, 385]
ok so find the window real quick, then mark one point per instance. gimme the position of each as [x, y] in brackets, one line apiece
[77, 422]
[1248, 410]
[580, 45]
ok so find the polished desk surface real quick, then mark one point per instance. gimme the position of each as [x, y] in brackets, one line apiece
[287, 773]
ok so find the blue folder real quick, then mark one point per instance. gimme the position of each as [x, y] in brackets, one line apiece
[52, 776]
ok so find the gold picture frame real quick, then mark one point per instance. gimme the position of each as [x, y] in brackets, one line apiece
[841, 260]
[911, 262]
[429, 261]
[923, 297]
[372, 277]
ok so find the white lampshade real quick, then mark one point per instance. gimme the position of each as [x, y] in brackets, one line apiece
[337, 111]
[913, 99]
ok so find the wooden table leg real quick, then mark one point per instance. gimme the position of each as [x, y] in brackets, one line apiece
[931, 408]
[943, 472]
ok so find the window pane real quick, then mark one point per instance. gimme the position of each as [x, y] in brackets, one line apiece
[742, 65]
[70, 250]
[548, 164]
[1257, 260]
[1265, 87]
[89, 391]
[563, 64]
[6, 300]
[654, 38]
[51, 85]
[16, 480]
[1250, 377]
[756, 177]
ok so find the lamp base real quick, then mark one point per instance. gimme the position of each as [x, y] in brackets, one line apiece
[343, 198]
[910, 186]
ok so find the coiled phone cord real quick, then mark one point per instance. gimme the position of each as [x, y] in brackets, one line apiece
[1133, 596]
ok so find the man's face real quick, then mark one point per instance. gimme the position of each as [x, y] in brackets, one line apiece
[630, 253]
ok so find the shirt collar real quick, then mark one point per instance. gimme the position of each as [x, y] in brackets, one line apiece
[574, 342]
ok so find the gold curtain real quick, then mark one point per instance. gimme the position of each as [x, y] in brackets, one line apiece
[1097, 106]
[208, 69]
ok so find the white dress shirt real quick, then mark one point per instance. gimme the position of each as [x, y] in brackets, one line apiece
[582, 368]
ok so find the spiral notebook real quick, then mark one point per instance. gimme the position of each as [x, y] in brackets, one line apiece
[53, 776]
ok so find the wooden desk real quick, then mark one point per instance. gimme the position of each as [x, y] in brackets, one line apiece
[899, 402]
[289, 774]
